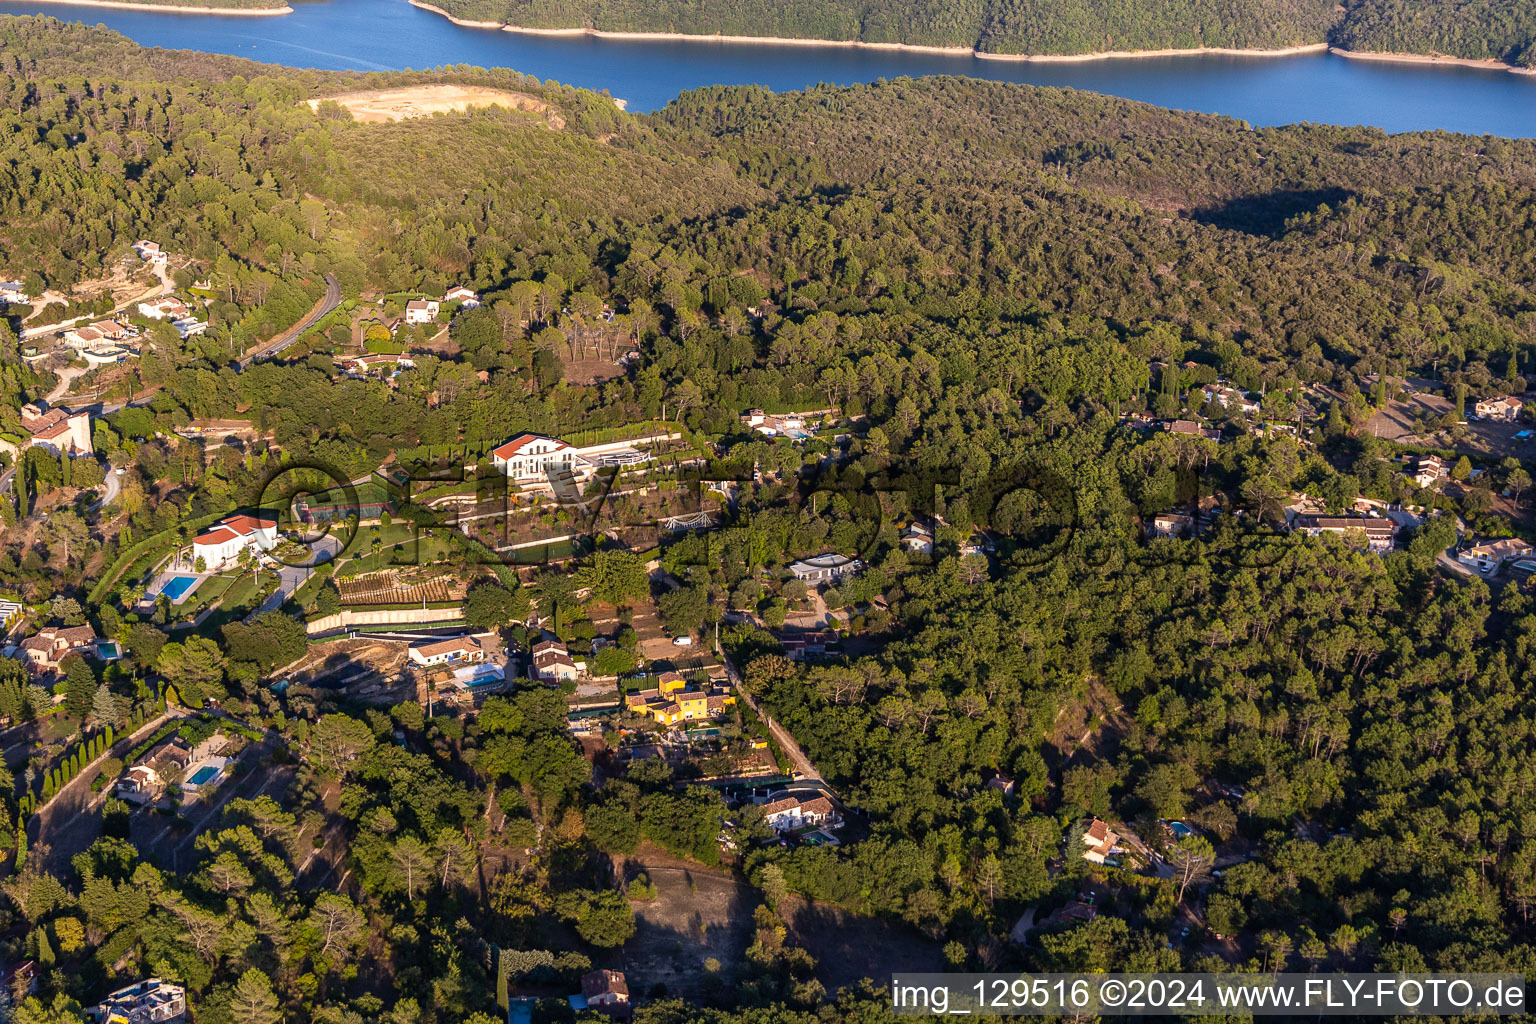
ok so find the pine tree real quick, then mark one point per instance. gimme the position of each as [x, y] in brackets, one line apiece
[103, 707]
[21, 844]
[44, 950]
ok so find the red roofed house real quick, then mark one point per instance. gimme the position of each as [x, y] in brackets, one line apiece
[532, 459]
[58, 430]
[465, 297]
[606, 992]
[1098, 842]
[1504, 407]
[222, 543]
[552, 662]
[452, 651]
[791, 812]
[44, 651]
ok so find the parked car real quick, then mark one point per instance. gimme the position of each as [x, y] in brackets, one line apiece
[682, 641]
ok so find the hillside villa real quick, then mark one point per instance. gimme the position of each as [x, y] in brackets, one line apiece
[1380, 534]
[189, 326]
[788, 813]
[147, 778]
[1099, 841]
[1428, 470]
[825, 568]
[674, 700]
[918, 539]
[12, 292]
[421, 311]
[465, 297]
[603, 991]
[57, 430]
[1231, 398]
[221, 544]
[1500, 407]
[95, 335]
[551, 662]
[1487, 557]
[457, 650]
[44, 652]
[146, 1002]
[533, 460]
[1193, 429]
[163, 309]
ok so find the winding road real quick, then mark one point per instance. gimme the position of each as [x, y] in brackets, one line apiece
[328, 302]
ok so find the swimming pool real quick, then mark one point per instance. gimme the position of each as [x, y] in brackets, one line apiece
[203, 774]
[177, 586]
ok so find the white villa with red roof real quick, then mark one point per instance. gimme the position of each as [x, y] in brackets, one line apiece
[222, 542]
[532, 460]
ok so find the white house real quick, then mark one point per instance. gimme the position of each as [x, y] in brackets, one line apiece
[918, 538]
[533, 459]
[161, 309]
[791, 812]
[222, 543]
[421, 311]
[465, 297]
[101, 332]
[189, 326]
[1429, 470]
[13, 291]
[458, 650]
[1099, 841]
[552, 662]
[605, 991]
[1503, 407]
[825, 568]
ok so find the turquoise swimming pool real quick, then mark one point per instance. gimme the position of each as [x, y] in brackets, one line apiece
[203, 774]
[177, 586]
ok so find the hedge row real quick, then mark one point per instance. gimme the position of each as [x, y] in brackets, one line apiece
[138, 550]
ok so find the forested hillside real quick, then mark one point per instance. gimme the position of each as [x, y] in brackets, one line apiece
[1503, 30]
[981, 278]
[1499, 29]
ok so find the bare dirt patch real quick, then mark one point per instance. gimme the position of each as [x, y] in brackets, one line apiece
[850, 947]
[698, 913]
[381, 105]
[592, 371]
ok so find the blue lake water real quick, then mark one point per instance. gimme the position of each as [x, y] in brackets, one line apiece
[391, 34]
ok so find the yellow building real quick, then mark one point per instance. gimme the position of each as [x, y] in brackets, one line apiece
[675, 701]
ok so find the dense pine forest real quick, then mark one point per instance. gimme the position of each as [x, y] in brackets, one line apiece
[1500, 30]
[981, 276]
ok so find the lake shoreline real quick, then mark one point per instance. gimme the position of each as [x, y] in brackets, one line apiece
[128, 5]
[1484, 64]
[1298, 50]
[942, 51]
[457, 21]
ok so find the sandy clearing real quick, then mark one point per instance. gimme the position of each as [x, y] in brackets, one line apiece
[381, 105]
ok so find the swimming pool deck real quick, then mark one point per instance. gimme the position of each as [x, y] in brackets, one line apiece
[166, 579]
